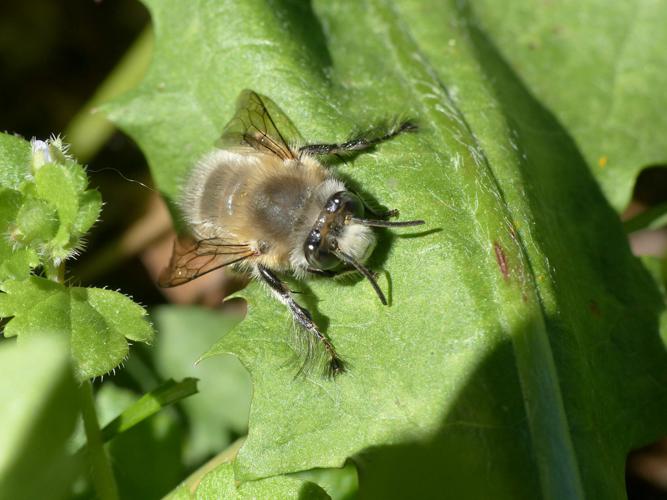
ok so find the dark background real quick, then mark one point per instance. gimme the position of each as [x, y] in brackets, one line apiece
[53, 57]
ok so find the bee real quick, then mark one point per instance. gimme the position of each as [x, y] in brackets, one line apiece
[266, 206]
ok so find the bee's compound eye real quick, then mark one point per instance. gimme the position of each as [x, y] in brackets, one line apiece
[317, 255]
[333, 203]
[344, 203]
[352, 204]
[313, 240]
[322, 259]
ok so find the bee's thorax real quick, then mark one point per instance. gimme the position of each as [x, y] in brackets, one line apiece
[254, 197]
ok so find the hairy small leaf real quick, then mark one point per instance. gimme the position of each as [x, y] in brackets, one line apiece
[45, 208]
[15, 260]
[97, 323]
[15, 161]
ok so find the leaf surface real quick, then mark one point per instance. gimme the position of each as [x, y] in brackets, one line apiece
[220, 483]
[599, 68]
[521, 330]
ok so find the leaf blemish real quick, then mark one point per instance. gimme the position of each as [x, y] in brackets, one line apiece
[594, 308]
[501, 259]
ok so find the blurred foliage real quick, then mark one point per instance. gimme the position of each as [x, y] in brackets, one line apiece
[219, 413]
[40, 405]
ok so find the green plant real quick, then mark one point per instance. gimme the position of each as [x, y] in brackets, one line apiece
[521, 356]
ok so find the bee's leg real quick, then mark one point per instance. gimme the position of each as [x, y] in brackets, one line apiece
[385, 214]
[302, 317]
[357, 144]
[388, 214]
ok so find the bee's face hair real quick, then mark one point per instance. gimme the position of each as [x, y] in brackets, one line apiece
[357, 241]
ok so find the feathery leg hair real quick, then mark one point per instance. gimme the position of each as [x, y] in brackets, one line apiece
[335, 364]
[358, 143]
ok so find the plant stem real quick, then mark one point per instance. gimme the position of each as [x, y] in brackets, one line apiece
[55, 273]
[227, 455]
[101, 473]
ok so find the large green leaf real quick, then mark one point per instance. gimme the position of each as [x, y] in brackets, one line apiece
[39, 408]
[520, 357]
[599, 67]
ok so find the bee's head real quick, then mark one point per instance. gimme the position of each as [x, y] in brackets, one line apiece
[341, 235]
[334, 232]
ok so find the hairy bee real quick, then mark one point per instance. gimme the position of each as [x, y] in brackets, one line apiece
[267, 206]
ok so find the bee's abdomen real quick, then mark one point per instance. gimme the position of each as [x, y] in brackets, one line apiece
[254, 199]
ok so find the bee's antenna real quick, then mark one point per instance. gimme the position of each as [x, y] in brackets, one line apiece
[121, 174]
[363, 270]
[386, 223]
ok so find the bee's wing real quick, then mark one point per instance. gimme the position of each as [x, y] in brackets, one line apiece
[191, 259]
[260, 124]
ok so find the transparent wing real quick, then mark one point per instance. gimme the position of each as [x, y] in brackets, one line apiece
[260, 124]
[191, 259]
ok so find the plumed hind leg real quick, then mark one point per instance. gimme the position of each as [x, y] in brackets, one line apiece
[335, 364]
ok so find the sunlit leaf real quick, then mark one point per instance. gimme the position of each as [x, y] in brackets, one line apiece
[220, 483]
[598, 67]
[520, 357]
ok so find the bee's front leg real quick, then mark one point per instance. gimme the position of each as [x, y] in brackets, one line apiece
[301, 316]
[360, 143]
[388, 214]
